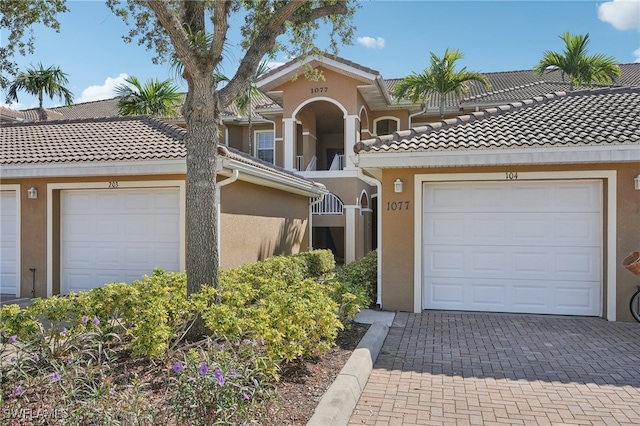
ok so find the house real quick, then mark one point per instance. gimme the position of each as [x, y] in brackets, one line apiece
[528, 207]
[310, 128]
[85, 202]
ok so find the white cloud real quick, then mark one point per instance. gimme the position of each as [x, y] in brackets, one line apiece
[371, 42]
[96, 93]
[622, 14]
[636, 53]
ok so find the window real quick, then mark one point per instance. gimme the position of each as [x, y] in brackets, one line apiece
[265, 147]
[386, 126]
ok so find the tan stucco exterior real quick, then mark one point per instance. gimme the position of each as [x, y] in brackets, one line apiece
[260, 222]
[399, 233]
[256, 222]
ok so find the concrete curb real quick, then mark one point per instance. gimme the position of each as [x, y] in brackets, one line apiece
[338, 402]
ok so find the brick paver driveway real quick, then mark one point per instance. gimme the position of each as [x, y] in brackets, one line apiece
[467, 368]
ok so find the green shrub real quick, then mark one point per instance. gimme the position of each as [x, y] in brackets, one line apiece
[362, 273]
[318, 262]
[354, 286]
[295, 319]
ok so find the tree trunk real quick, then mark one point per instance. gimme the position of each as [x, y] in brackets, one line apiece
[202, 116]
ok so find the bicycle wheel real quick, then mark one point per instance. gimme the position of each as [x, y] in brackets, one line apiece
[634, 305]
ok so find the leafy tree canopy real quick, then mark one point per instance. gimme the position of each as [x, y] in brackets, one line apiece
[17, 18]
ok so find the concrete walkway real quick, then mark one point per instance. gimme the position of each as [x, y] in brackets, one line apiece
[447, 368]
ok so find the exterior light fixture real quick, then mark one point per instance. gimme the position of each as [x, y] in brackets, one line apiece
[397, 185]
[32, 193]
[637, 181]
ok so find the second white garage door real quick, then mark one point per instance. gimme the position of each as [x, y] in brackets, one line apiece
[527, 247]
[117, 235]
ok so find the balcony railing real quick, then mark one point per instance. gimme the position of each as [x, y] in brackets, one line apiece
[331, 205]
[337, 163]
[310, 167]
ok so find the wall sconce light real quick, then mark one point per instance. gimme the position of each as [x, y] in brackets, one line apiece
[637, 181]
[397, 185]
[32, 193]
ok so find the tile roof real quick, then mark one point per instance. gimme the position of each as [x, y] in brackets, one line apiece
[104, 139]
[603, 116]
[131, 138]
[505, 86]
[519, 85]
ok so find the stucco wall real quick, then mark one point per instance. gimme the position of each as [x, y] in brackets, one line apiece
[259, 222]
[256, 222]
[398, 231]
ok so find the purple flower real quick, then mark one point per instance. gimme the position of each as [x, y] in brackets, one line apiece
[3, 333]
[112, 391]
[84, 319]
[63, 332]
[55, 376]
[245, 396]
[177, 367]
[96, 321]
[218, 375]
[12, 338]
[36, 357]
[17, 391]
[232, 373]
[203, 369]
[13, 359]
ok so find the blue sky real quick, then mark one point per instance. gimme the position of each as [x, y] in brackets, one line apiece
[392, 37]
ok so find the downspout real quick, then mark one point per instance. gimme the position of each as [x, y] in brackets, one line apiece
[234, 177]
[373, 181]
[311, 204]
[423, 111]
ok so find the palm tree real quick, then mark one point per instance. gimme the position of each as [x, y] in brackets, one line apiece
[575, 63]
[155, 97]
[440, 77]
[244, 103]
[38, 81]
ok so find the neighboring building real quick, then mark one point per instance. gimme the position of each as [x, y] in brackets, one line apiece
[529, 207]
[90, 201]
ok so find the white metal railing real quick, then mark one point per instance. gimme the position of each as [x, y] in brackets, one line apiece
[299, 162]
[312, 164]
[330, 205]
[336, 164]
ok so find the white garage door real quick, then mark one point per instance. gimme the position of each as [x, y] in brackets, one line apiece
[8, 243]
[529, 247]
[117, 235]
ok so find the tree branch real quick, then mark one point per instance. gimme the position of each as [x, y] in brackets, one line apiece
[177, 33]
[265, 41]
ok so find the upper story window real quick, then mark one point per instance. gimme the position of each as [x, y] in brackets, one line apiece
[265, 146]
[386, 126]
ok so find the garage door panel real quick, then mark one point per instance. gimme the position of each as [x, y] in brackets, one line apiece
[513, 247]
[541, 263]
[123, 235]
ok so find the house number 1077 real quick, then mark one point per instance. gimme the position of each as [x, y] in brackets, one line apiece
[397, 205]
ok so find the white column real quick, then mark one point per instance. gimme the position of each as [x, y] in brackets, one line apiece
[289, 141]
[350, 233]
[350, 133]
